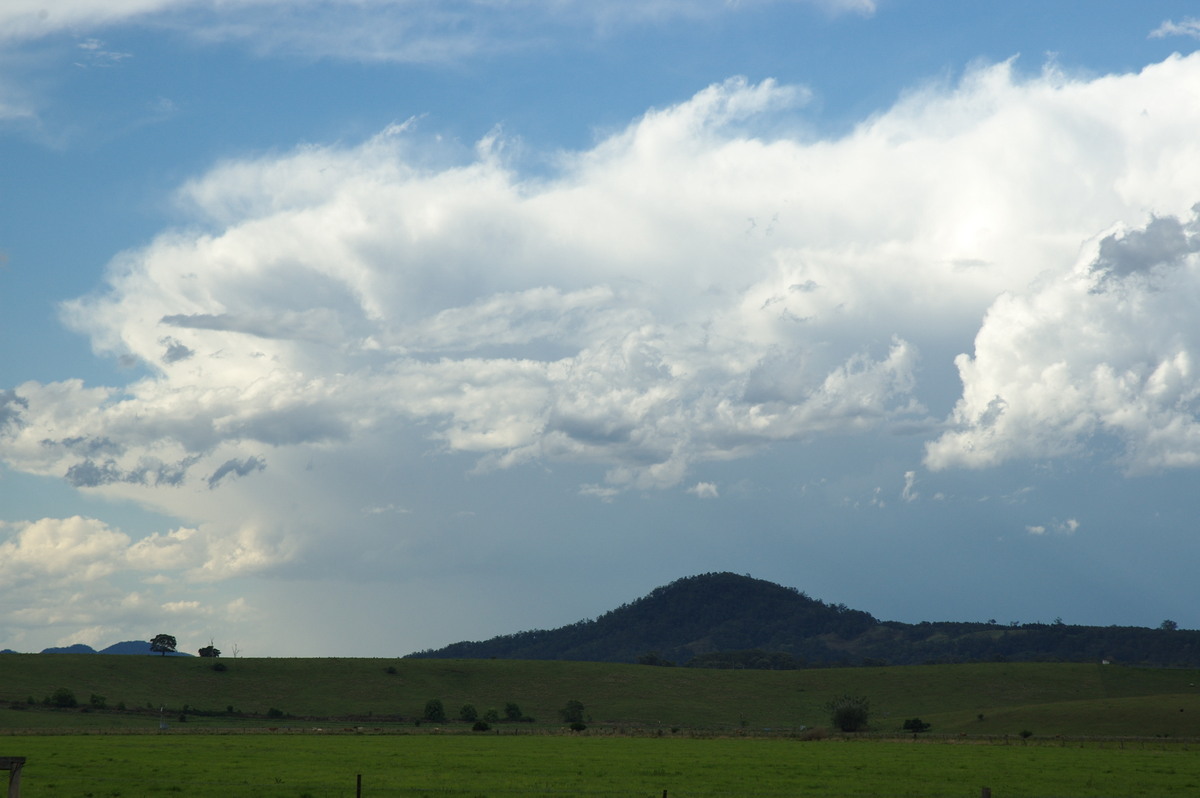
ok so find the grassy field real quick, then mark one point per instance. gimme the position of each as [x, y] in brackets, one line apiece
[313, 765]
[990, 699]
[1096, 730]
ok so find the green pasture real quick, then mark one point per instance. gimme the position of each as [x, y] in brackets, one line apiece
[327, 765]
[986, 699]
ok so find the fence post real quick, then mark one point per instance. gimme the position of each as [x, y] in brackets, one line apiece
[13, 765]
[987, 793]
[358, 787]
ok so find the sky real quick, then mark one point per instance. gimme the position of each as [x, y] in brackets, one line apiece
[335, 328]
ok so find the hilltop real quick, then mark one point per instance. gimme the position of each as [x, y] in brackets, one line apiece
[733, 621]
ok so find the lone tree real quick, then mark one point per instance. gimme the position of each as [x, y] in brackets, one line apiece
[849, 713]
[163, 643]
[435, 711]
[210, 651]
[62, 698]
[572, 712]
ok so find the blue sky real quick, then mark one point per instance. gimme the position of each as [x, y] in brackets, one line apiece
[334, 328]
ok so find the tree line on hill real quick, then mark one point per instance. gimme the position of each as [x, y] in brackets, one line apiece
[725, 620]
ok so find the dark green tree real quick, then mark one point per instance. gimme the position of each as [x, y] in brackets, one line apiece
[572, 712]
[62, 698]
[849, 713]
[434, 710]
[210, 651]
[165, 644]
[468, 713]
[512, 712]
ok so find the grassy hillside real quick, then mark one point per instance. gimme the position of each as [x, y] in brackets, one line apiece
[1069, 699]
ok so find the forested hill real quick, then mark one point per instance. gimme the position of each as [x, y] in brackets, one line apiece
[727, 620]
[692, 616]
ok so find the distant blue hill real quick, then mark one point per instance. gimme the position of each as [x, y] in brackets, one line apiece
[78, 648]
[129, 647]
[140, 647]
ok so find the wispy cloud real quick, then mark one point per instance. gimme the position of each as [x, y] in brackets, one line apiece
[393, 30]
[94, 53]
[1188, 26]
[1068, 527]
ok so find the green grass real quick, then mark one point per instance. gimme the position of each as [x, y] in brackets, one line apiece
[1048, 699]
[295, 765]
[1097, 730]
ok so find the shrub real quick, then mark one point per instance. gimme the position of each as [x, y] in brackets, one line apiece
[1026, 734]
[274, 712]
[98, 701]
[849, 713]
[916, 725]
[434, 711]
[577, 726]
[653, 658]
[492, 715]
[512, 711]
[468, 713]
[220, 667]
[480, 726]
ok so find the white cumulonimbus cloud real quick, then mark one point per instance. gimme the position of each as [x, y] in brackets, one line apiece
[689, 290]
[1108, 350]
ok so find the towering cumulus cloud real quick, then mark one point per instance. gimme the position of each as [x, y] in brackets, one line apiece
[1109, 349]
[691, 289]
